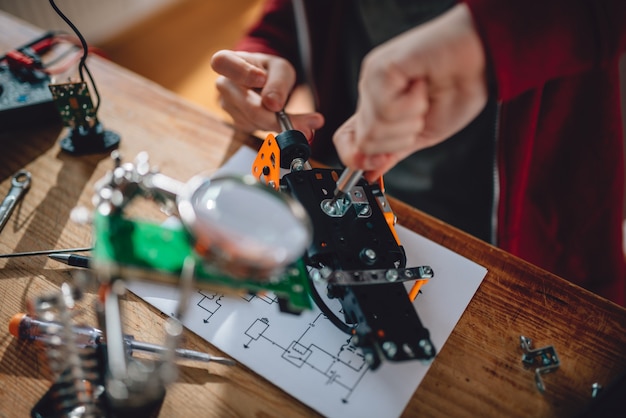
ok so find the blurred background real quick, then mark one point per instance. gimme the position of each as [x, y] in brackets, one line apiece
[167, 41]
[171, 41]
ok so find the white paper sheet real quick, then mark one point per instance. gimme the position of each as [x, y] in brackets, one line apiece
[306, 355]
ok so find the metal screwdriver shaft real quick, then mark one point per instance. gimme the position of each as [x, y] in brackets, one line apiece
[348, 179]
[284, 121]
[181, 353]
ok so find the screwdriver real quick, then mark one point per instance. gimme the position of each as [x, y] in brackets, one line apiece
[74, 260]
[348, 179]
[27, 328]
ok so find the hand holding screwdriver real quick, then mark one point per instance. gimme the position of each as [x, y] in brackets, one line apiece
[415, 91]
[253, 86]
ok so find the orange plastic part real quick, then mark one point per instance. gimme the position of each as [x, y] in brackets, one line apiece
[416, 289]
[14, 324]
[266, 165]
[390, 217]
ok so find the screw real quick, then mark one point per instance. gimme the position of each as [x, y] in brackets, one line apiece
[595, 389]
[391, 275]
[368, 256]
[390, 348]
[426, 347]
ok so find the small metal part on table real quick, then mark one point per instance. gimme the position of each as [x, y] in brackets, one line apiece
[596, 388]
[548, 360]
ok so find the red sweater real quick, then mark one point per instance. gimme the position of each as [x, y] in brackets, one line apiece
[560, 145]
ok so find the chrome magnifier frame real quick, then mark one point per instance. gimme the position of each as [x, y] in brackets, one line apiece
[242, 227]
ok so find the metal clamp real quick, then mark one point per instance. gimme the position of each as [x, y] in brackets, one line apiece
[548, 361]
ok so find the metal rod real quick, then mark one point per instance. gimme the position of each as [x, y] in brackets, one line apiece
[47, 252]
[348, 179]
[284, 121]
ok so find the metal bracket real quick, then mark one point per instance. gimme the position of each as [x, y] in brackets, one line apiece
[548, 361]
[373, 276]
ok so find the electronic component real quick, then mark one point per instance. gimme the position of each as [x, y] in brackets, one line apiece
[239, 249]
[73, 101]
[211, 246]
[24, 94]
[87, 135]
[74, 104]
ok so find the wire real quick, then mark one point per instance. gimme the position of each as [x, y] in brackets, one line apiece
[82, 65]
[321, 304]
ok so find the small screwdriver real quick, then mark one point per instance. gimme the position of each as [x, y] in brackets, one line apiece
[27, 328]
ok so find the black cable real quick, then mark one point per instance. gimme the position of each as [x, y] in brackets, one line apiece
[82, 65]
[317, 298]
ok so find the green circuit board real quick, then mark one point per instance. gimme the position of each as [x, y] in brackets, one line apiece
[146, 250]
[74, 104]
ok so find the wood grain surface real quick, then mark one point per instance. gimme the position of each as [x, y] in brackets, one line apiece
[477, 373]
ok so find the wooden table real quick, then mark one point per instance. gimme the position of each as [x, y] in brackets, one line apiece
[477, 373]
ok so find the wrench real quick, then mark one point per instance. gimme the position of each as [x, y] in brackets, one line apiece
[19, 186]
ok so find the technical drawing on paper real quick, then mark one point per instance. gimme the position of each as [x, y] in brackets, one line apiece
[342, 365]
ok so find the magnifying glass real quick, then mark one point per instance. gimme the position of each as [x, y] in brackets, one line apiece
[242, 227]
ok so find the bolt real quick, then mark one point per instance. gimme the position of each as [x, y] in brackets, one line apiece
[341, 276]
[316, 276]
[328, 208]
[391, 275]
[297, 164]
[390, 348]
[368, 255]
[426, 347]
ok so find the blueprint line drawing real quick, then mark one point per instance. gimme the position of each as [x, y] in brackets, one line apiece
[342, 365]
[309, 358]
[210, 302]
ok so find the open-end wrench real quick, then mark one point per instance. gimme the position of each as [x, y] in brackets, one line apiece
[19, 186]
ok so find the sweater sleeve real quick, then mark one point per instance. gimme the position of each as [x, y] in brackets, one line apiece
[529, 42]
[273, 33]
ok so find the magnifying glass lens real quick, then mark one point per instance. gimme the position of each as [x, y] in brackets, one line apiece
[245, 226]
